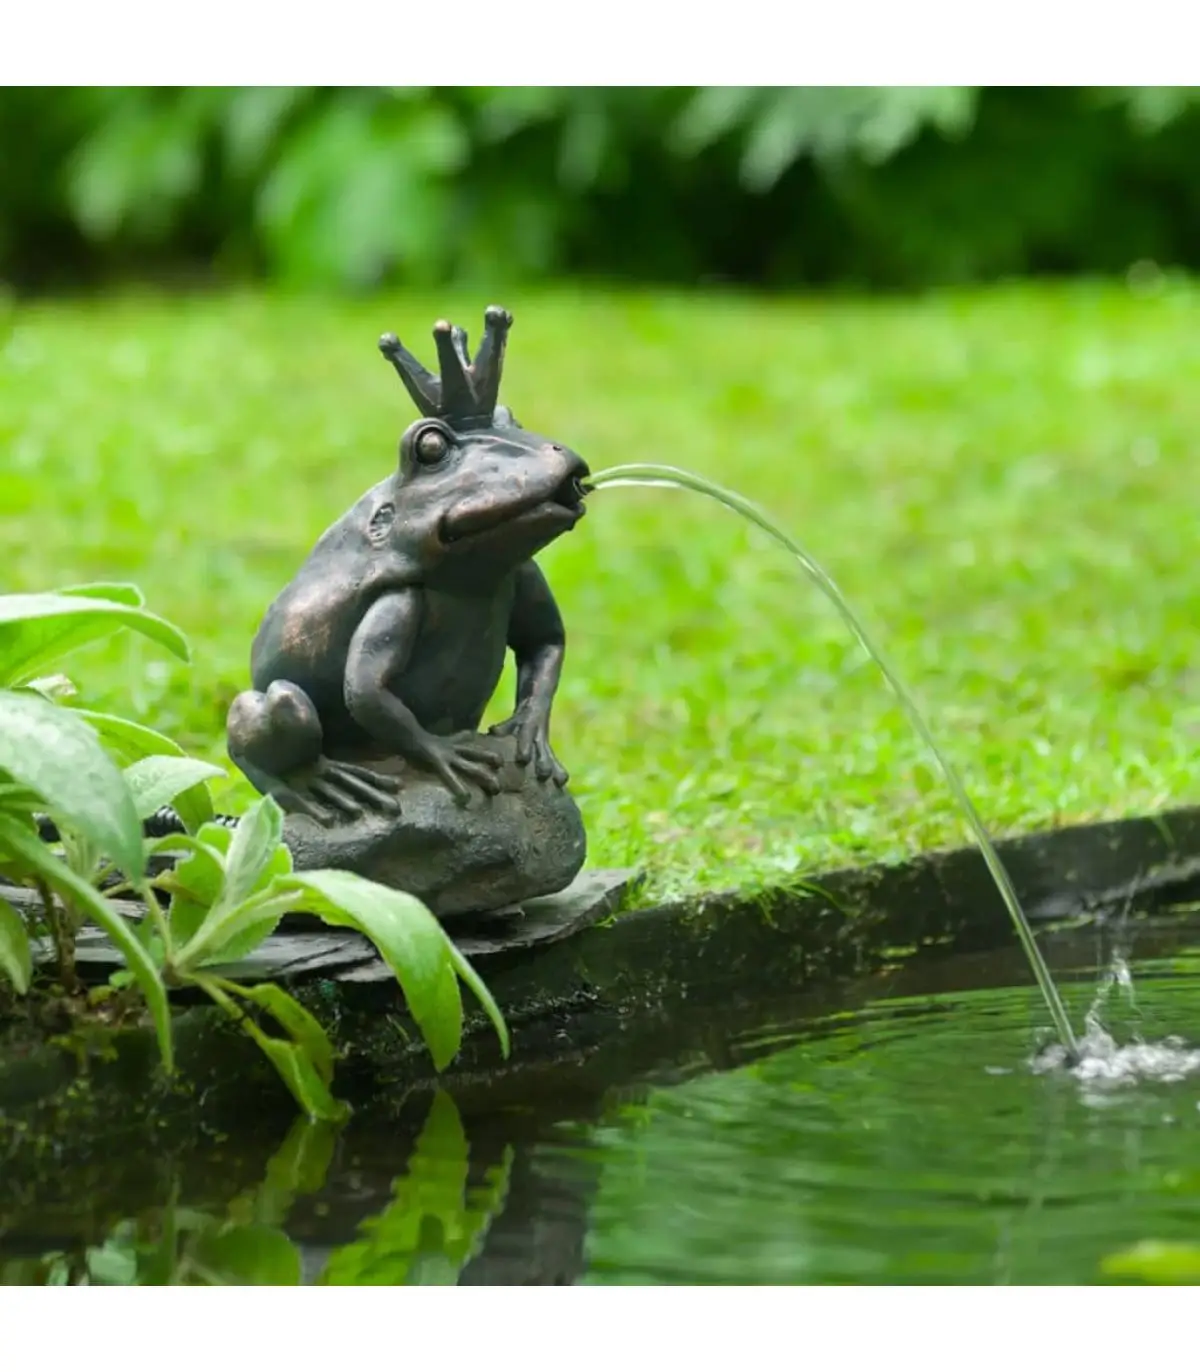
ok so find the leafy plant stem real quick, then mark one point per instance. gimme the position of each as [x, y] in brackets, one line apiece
[62, 936]
[213, 987]
[161, 924]
[213, 932]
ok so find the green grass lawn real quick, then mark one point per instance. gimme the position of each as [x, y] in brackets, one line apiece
[1004, 483]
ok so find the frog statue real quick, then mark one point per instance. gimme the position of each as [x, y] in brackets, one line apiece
[373, 668]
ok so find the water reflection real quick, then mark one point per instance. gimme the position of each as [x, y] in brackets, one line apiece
[889, 1130]
[431, 1226]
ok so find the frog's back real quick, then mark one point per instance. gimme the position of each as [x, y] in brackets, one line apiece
[305, 634]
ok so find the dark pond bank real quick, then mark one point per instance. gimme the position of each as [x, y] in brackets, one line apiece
[829, 1086]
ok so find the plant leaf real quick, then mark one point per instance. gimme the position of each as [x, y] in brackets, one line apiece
[295, 1067]
[217, 838]
[120, 592]
[156, 781]
[482, 994]
[435, 1224]
[247, 1255]
[16, 958]
[299, 1167]
[412, 943]
[87, 899]
[300, 1077]
[57, 754]
[194, 884]
[254, 921]
[232, 928]
[130, 742]
[39, 629]
[303, 1027]
[255, 841]
[205, 875]
[13, 868]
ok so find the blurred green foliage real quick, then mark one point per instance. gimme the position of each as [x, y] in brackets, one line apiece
[357, 187]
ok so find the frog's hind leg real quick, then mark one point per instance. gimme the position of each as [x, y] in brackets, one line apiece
[275, 737]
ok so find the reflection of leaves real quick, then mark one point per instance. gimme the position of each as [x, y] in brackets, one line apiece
[51, 1269]
[115, 1261]
[246, 1255]
[298, 1168]
[711, 114]
[1156, 1263]
[245, 1247]
[434, 1224]
[211, 1253]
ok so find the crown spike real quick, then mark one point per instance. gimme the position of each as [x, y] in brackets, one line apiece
[421, 384]
[458, 336]
[466, 393]
[489, 364]
[458, 396]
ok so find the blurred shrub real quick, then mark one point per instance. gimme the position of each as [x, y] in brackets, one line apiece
[785, 185]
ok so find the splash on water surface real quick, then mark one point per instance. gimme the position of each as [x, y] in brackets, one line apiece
[1105, 1062]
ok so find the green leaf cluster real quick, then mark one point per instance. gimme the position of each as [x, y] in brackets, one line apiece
[99, 777]
[435, 1222]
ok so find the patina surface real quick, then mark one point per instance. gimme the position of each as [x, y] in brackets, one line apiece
[373, 668]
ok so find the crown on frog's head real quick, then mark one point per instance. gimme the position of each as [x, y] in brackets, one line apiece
[466, 392]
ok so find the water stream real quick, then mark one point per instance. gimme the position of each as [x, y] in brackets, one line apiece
[646, 474]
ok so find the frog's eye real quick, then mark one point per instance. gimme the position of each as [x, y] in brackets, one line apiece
[431, 446]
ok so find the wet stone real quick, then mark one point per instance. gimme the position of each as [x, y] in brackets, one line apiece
[485, 854]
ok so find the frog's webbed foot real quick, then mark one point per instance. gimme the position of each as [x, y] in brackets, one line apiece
[531, 727]
[275, 737]
[461, 763]
[330, 791]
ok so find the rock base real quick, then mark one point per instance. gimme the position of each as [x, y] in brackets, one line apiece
[459, 858]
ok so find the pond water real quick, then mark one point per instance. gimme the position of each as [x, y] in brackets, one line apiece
[905, 1129]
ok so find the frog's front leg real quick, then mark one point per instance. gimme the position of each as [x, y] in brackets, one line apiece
[379, 652]
[275, 737]
[538, 640]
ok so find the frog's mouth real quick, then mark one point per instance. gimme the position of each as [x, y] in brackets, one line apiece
[542, 514]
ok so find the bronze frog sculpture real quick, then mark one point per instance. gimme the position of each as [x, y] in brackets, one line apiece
[372, 670]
